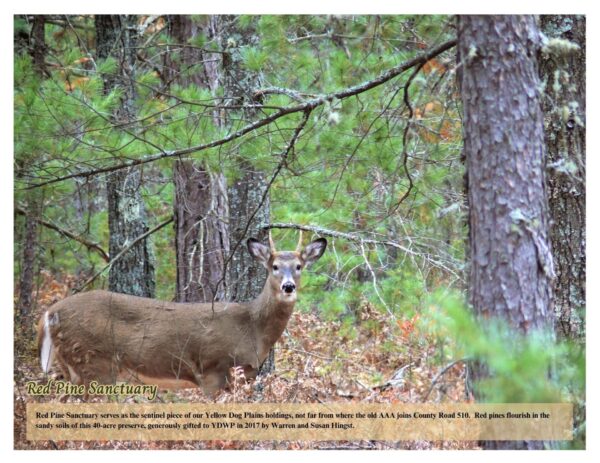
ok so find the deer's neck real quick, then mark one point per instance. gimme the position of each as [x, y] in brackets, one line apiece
[271, 315]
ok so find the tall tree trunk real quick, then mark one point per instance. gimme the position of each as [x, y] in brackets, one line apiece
[203, 239]
[37, 49]
[28, 257]
[562, 69]
[133, 273]
[38, 44]
[247, 211]
[201, 215]
[200, 232]
[511, 265]
[246, 276]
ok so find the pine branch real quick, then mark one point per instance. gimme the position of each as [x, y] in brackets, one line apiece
[309, 105]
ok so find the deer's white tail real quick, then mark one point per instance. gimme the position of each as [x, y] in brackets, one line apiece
[45, 344]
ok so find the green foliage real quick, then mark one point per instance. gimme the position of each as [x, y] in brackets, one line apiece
[106, 66]
[254, 58]
[522, 369]
[348, 171]
[345, 172]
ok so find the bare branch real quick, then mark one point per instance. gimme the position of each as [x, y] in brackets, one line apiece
[293, 94]
[374, 278]
[407, 128]
[88, 244]
[442, 373]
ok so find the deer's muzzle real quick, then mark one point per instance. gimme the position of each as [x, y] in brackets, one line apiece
[288, 287]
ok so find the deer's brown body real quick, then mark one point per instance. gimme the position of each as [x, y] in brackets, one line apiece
[100, 335]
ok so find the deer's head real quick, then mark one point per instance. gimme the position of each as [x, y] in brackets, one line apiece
[285, 267]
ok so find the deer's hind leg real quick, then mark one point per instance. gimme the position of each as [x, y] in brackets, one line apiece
[84, 368]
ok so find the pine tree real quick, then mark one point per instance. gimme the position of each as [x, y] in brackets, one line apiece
[562, 69]
[133, 273]
[200, 206]
[511, 269]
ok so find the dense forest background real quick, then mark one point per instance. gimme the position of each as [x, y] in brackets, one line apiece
[149, 148]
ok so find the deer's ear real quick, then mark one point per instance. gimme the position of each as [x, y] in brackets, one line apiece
[259, 251]
[314, 251]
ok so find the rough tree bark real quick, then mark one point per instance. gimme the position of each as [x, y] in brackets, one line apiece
[28, 257]
[511, 273]
[133, 273]
[562, 69]
[201, 239]
[37, 49]
[38, 44]
[245, 276]
[200, 207]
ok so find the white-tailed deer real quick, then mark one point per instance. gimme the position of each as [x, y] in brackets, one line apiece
[99, 335]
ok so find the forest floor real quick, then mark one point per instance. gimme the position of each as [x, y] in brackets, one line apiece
[373, 360]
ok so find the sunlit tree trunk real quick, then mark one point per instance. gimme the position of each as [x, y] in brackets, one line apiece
[133, 273]
[511, 269]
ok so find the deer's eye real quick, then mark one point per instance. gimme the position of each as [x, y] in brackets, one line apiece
[275, 267]
[298, 267]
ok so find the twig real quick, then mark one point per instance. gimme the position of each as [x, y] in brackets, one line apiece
[325, 35]
[293, 94]
[309, 105]
[67, 233]
[179, 45]
[395, 380]
[374, 277]
[123, 251]
[405, 137]
[61, 23]
[440, 374]
[305, 352]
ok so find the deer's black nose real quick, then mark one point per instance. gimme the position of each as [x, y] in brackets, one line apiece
[289, 287]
